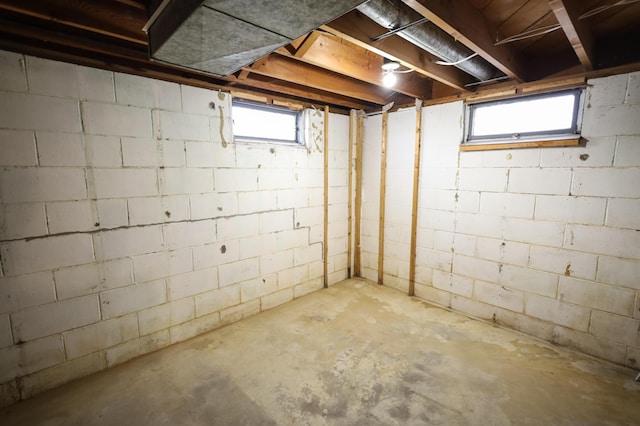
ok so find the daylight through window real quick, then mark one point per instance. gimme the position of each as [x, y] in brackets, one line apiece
[254, 122]
[550, 116]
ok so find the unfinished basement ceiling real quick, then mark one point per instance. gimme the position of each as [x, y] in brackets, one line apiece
[222, 36]
[295, 53]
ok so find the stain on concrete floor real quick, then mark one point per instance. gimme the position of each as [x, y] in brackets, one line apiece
[354, 354]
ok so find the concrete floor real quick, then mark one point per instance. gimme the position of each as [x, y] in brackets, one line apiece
[354, 354]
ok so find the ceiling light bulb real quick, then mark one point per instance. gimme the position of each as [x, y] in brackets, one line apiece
[389, 79]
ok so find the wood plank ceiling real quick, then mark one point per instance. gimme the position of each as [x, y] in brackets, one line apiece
[339, 64]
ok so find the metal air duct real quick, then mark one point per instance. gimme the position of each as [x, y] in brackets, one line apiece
[427, 36]
[222, 36]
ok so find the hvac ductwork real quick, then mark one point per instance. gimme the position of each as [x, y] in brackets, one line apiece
[427, 36]
[222, 36]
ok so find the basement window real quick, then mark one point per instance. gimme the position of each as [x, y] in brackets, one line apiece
[255, 122]
[549, 119]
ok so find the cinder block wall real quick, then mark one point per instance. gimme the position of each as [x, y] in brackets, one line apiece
[130, 221]
[543, 240]
[370, 222]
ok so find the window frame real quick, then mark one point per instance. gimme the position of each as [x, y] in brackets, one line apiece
[555, 137]
[258, 106]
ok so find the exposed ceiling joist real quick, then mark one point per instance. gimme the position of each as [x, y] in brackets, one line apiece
[303, 95]
[567, 12]
[289, 69]
[58, 40]
[359, 30]
[113, 19]
[466, 24]
[339, 64]
[309, 41]
[330, 52]
[132, 58]
[242, 74]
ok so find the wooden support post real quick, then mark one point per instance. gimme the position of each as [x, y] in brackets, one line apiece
[414, 205]
[326, 196]
[383, 178]
[358, 207]
[350, 191]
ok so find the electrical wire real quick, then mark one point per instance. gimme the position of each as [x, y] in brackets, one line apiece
[457, 62]
[606, 7]
[550, 28]
[530, 33]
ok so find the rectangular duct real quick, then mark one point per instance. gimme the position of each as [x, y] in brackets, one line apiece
[222, 36]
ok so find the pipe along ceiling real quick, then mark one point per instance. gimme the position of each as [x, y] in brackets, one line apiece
[427, 36]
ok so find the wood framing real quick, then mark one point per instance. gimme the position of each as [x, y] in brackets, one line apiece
[577, 32]
[113, 19]
[331, 53]
[359, 30]
[383, 191]
[275, 87]
[511, 145]
[307, 44]
[414, 202]
[292, 70]
[132, 59]
[358, 202]
[326, 197]
[466, 24]
[352, 127]
[339, 63]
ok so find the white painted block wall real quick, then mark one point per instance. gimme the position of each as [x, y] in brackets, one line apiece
[543, 240]
[397, 228]
[130, 221]
[338, 217]
[369, 228]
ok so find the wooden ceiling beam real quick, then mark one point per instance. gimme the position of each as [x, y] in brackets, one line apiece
[242, 74]
[465, 23]
[292, 70]
[359, 30]
[307, 44]
[317, 97]
[110, 18]
[330, 52]
[276, 91]
[293, 47]
[577, 31]
[131, 58]
[61, 40]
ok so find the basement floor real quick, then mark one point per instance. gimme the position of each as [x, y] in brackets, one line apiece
[354, 354]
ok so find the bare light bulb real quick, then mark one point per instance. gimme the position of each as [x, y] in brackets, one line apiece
[389, 79]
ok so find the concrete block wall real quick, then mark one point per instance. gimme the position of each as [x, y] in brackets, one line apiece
[370, 215]
[398, 198]
[338, 217]
[543, 240]
[129, 220]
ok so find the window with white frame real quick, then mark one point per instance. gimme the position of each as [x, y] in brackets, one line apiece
[255, 122]
[543, 117]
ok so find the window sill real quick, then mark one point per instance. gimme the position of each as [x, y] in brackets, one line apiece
[514, 145]
[268, 142]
